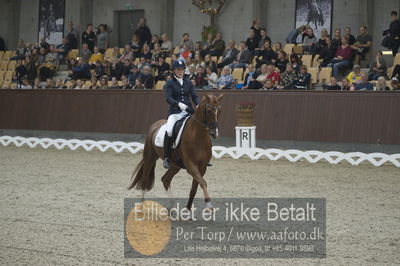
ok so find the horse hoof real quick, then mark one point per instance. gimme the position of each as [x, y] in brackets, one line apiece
[209, 164]
[209, 205]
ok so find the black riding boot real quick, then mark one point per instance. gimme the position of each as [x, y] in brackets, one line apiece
[167, 148]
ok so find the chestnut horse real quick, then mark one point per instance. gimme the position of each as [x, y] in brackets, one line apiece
[194, 150]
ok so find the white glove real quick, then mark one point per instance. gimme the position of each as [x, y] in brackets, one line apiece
[182, 106]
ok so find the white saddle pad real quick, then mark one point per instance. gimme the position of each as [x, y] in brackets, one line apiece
[159, 140]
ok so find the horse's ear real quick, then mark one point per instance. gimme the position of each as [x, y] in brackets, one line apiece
[209, 97]
[220, 97]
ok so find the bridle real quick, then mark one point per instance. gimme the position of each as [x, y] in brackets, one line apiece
[207, 125]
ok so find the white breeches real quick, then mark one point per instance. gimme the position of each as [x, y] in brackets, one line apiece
[172, 119]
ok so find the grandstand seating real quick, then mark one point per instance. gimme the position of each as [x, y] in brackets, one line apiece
[160, 84]
[238, 75]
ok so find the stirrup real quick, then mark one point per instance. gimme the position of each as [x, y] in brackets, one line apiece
[166, 163]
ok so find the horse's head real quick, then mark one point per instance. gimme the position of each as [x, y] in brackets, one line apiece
[208, 113]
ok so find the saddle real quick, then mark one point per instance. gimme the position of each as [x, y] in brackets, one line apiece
[176, 133]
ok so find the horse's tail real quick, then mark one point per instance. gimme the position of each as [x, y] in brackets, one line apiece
[143, 176]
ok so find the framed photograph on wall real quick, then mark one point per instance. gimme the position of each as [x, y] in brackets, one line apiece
[314, 13]
[51, 20]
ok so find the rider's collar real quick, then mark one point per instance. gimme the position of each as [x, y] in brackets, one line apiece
[180, 80]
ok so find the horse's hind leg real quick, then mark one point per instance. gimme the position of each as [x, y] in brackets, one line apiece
[192, 194]
[166, 179]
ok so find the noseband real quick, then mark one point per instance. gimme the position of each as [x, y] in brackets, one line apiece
[207, 125]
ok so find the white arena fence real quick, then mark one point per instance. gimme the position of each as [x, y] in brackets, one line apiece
[332, 157]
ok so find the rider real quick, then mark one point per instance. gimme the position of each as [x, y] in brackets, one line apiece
[178, 91]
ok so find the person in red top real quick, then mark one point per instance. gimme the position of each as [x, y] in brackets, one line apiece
[274, 76]
[342, 57]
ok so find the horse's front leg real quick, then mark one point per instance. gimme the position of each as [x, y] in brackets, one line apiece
[196, 172]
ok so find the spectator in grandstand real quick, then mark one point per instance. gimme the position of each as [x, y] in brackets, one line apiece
[25, 84]
[93, 84]
[185, 53]
[281, 61]
[95, 57]
[71, 84]
[206, 45]
[381, 85]
[163, 69]
[333, 86]
[252, 41]
[197, 61]
[186, 41]
[30, 69]
[41, 57]
[80, 71]
[79, 84]
[350, 36]
[395, 85]
[337, 39]
[302, 35]
[190, 72]
[143, 32]
[394, 32]
[44, 44]
[354, 77]
[72, 35]
[264, 37]
[114, 84]
[303, 80]
[273, 74]
[116, 69]
[211, 63]
[48, 68]
[342, 57]
[125, 84]
[107, 68]
[310, 42]
[37, 84]
[99, 69]
[225, 81]
[268, 86]
[217, 46]
[34, 55]
[377, 67]
[211, 77]
[296, 62]
[362, 45]
[327, 53]
[155, 40]
[322, 40]
[63, 49]
[102, 38]
[242, 58]
[346, 86]
[146, 53]
[292, 37]
[364, 84]
[59, 84]
[277, 47]
[257, 82]
[89, 37]
[156, 53]
[49, 84]
[147, 78]
[268, 56]
[166, 45]
[138, 85]
[200, 78]
[85, 53]
[21, 51]
[103, 83]
[135, 46]
[257, 29]
[133, 75]
[288, 77]
[20, 72]
[127, 54]
[249, 78]
[229, 54]
[126, 68]
[143, 63]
